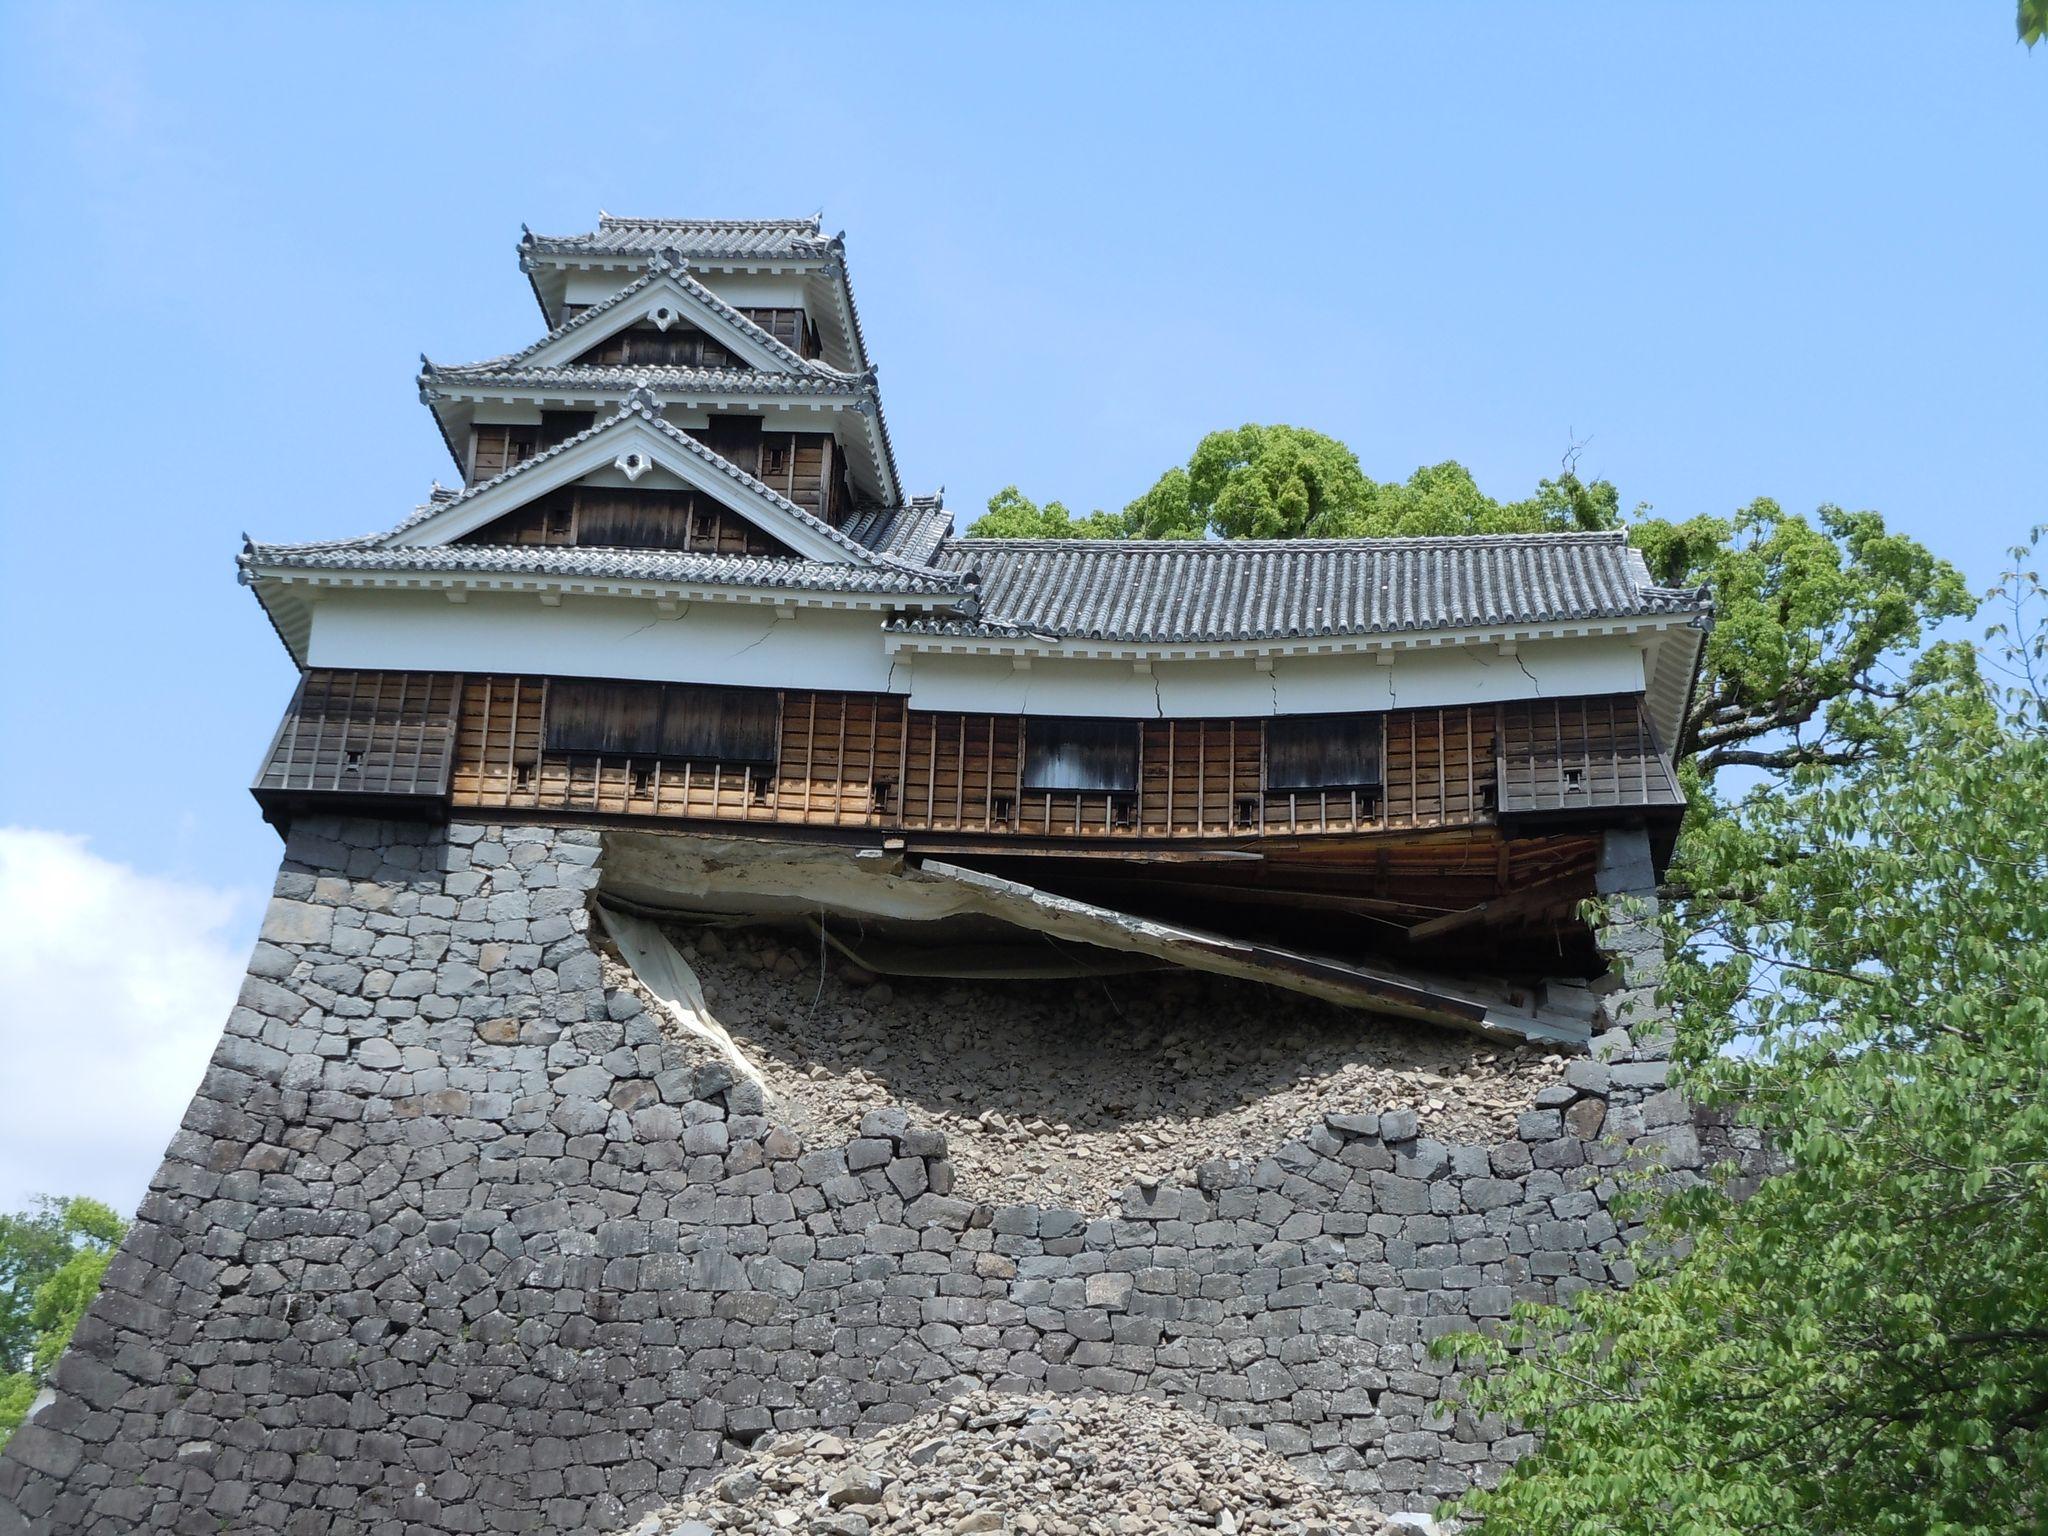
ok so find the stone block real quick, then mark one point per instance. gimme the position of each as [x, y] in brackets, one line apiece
[297, 922]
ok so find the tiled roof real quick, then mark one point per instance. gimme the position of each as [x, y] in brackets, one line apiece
[657, 376]
[831, 380]
[703, 239]
[682, 568]
[1181, 592]
[912, 531]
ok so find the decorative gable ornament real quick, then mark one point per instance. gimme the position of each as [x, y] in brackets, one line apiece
[633, 465]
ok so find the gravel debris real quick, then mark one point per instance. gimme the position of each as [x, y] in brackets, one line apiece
[1046, 1466]
[1063, 1092]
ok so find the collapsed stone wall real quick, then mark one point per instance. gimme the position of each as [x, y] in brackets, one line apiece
[456, 1238]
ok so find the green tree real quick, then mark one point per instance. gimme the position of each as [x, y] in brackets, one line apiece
[2033, 21]
[1013, 515]
[51, 1261]
[1820, 622]
[1281, 482]
[1861, 1345]
[1818, 628]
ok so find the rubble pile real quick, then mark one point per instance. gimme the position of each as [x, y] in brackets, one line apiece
[1062, 1092]
[1048, 1466]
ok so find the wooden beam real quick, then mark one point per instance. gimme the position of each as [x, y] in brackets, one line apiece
[1515, 904]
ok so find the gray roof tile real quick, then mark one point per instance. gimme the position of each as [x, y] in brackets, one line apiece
[1186, 592]
[599, 564]
[703, 239]
[660, 377]
[912, 531]
[659, 265]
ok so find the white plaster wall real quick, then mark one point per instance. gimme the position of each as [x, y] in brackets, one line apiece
[1296, 685]
[756, 290]
[707, 642]
[742, 290]
[714, 642]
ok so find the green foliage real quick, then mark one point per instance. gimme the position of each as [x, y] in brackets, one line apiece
[51, 1262]
[2033, 21]
[1280, 482]
[1013, 515]
[1819, 627]
[1813, 625]
[1861, 1346]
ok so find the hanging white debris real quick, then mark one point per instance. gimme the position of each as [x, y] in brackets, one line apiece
[664, 972]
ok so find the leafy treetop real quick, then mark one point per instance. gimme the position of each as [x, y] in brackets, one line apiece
[1818, 622]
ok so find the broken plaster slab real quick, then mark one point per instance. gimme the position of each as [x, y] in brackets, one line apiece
[665, 973]
[683, 875]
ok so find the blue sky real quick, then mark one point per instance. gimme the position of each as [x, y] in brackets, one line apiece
[1743, 250]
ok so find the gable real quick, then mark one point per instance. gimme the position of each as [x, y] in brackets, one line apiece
[590, 515]
[661, 300]
[622, 451]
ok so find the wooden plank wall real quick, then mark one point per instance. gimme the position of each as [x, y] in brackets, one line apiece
[960, 773]
[842, 757]
[612, 518]
[860, 760]
[834, 749]
[365, 733]
[1200, 778]
[1440, 766]
[501, 763]
[1596, 753]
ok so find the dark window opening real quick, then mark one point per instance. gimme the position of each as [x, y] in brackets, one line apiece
[1313, 752]
[684, 721]
[560, 426]
[1081, 755]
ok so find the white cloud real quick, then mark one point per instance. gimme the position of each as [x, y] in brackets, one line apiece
[114, 986]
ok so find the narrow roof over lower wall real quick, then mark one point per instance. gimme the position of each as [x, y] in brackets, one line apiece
[1172, 592]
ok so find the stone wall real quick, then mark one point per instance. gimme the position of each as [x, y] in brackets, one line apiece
[455, 1239]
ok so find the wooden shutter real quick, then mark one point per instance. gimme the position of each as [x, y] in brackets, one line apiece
[1066, 754]
[723, 725]
[629, 519]
[614, 719]
[1323, 751]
